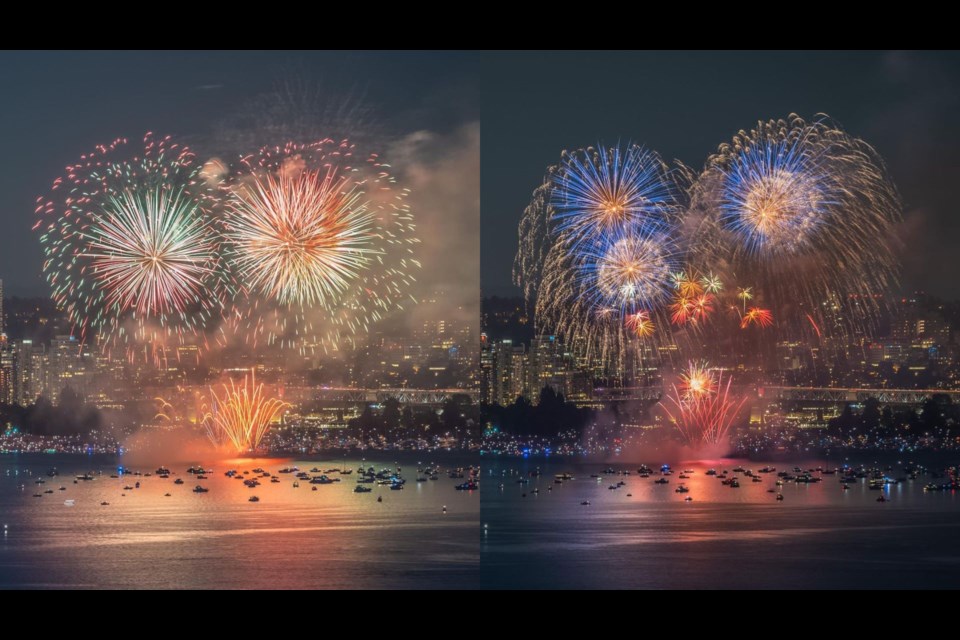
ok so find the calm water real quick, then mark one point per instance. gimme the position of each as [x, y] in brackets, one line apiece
[293, 538]
[819, 536]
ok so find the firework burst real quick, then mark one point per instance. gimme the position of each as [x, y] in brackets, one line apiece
[807, 213]
[323, 242]
[756, 316]
[702, 408]
[640, 324]
[599, 245]
[131, 251]
[241, 415]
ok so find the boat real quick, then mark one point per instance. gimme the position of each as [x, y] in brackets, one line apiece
[275, 480]
[178, 481]
[253, 499]
[104, 504]
[128, 488]
[166, 495]
[585, 503]
[313, 488]
[199, 489]
[396, 486]
[69, 503]
[682, 489]
[362, 489]
[688, 499]
[881, 499]
[780, 496]
[467, 486]
[38, 495]
[711, 472]
[85, 476]
[162, 471]
[661, 481]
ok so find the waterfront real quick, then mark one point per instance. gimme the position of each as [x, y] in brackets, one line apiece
[818, 536]
[330, 538]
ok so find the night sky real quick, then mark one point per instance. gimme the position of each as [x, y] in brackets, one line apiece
[685, 104]
[57, 106]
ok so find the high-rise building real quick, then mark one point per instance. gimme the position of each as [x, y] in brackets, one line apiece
[3, 323]
[69, 365]
[509, 380]
[29, 372]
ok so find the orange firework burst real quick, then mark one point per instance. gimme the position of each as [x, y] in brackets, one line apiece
[689, 285]
[640, 324]
[681, 311]
[242, 416]
[702, 306]
[697, 381]
[756, 316]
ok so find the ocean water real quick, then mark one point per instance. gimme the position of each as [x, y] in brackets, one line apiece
[293, 538]
[819, 536]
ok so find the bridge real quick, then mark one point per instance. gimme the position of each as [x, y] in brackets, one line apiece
[843, 396]
[826, 395]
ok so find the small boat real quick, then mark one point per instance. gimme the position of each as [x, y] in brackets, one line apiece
[275, 480]
[253, 499]
[38, 495]
[199, 489]
[85, 476]
[178, 481]
[62, 489]
[629, 495]
[881, 499]
[362, 489]
[162, 471]
[166, 495]
[585, 503]
[688, 499]
[313, 488]
[396, 486]
[69, 503]
[104, 504]
[682, 489]
[661, 481]
[128, 488]
[780, 496]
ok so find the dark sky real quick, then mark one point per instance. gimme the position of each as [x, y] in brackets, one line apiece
[684, 104]
[57, 106]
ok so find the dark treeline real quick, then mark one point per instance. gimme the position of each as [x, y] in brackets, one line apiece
[70, 416]
[552, 415]
[394, 421]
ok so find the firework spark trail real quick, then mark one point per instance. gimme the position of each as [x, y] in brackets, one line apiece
[806, 213]
[242, 415]
[703, 409]
[131, 252]
[598, 244]
[324, 241]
